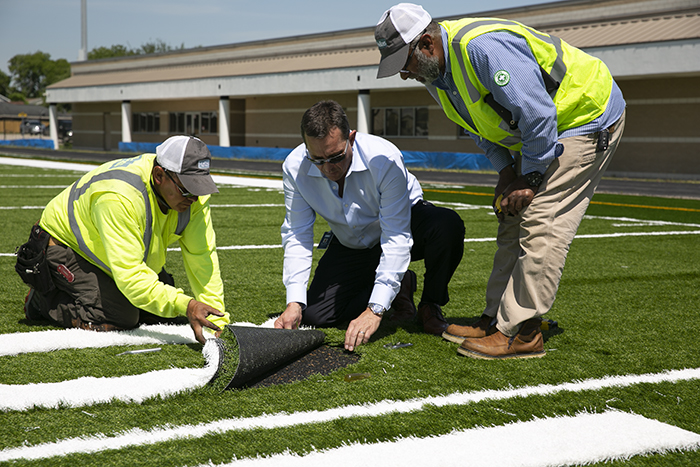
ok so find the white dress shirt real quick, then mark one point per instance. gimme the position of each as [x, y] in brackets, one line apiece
[375, 208]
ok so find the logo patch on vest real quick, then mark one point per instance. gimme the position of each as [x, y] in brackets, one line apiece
[65, 272]
[501, 78]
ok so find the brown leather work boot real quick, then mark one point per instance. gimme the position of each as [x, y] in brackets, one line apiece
[403, 306]
[482, 328]
[88, 326]
[430, 316]
[527, 343]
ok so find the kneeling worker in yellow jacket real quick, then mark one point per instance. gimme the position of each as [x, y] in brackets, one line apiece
[105, 239]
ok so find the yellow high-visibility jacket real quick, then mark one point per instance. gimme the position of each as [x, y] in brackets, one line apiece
[111, 217]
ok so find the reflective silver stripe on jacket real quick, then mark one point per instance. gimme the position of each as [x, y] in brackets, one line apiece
[182, 220]
[134, 180]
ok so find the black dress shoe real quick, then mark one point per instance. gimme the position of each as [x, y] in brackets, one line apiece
[430, 316]
[403, 306]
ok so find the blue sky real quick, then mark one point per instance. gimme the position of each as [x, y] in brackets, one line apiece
[53, 26]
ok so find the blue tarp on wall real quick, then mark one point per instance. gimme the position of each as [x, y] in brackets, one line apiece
[31, 143]
[417, 159]
[446, 160]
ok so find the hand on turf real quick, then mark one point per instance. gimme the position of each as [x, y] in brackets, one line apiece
[197, 313]
[291, 318]
[361, 329]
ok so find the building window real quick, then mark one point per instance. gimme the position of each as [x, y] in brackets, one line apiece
[194, 123]
[146, 122]
[410, 122]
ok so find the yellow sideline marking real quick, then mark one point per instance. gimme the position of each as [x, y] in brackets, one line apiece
[664, 208]
[457, 192]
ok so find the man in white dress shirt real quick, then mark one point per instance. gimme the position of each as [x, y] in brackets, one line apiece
[379, 223]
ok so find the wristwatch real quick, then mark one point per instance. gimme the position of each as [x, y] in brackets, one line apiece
[534, 179]
[377, 309]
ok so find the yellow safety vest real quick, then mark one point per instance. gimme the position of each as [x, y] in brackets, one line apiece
[584, 81]
[111, 217]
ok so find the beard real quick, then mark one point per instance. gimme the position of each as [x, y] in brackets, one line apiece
[428, 67]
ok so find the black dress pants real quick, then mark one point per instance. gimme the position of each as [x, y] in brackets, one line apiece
[344, 278]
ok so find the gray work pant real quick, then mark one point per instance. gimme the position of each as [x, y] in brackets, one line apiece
[84, 293]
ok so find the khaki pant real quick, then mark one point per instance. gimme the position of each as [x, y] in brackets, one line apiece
[533, 245]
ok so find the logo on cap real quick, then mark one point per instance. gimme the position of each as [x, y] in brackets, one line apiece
[381, 43]
[203, 164]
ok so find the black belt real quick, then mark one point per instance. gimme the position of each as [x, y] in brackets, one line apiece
[612, 127]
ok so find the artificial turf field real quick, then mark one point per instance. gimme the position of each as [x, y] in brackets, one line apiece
[627, 306]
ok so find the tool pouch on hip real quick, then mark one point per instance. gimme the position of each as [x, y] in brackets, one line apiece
[31, 264]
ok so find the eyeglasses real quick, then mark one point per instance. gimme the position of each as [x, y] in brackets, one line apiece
[185, 194]
[331, 160]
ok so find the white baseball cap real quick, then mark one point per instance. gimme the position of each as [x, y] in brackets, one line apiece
[397, 27]
[190, 159]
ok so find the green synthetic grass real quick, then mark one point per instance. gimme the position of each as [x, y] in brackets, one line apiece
[626, 306]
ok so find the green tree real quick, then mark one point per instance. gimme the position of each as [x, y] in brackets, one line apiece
[15, 96]
[153, 47]
[31, 73]
[110, 52]
[158, 46]
[55, 71]
[4, 84]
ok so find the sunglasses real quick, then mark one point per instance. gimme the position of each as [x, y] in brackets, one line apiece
[410, 55]
[331, 160]
[185, 194]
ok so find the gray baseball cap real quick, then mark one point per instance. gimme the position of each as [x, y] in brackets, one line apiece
[190, 159]
[397, 27]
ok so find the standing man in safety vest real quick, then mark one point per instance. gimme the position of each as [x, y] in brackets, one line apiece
[105, 240]
[549, 118]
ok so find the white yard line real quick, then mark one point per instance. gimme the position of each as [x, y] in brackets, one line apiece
[12, 208]
[58, 187]
[57, 339]
[469, 240]
[630, 221]
[580, 440]
[138, 437]
[640, 234]
[218, 179]
[90, 390]
[42, 164]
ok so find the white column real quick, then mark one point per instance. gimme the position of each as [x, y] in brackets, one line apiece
[364, 111]
[224, 122]
[126, 122]
[53, 124]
